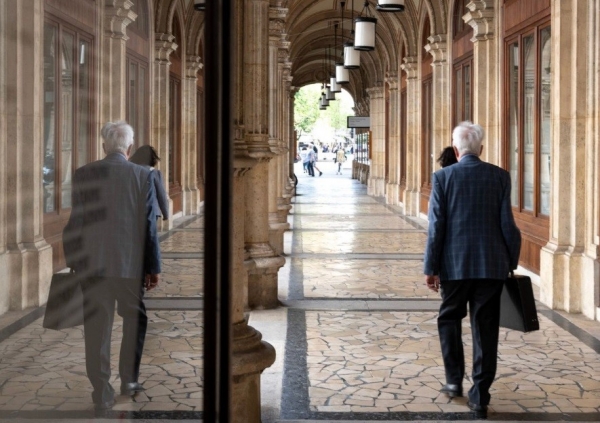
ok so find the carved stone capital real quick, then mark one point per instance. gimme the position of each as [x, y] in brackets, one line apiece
[117, 16]
[438, 48]
[391, 78]
[411, 67]
[277, 17]
[193, 65]
[481, 18]
[163, 47]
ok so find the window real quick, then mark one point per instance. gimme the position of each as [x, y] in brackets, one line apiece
[463, 91]
[528, 120]
[67, 111]
[137, 99]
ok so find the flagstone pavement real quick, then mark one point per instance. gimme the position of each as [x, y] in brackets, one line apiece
[360, 340]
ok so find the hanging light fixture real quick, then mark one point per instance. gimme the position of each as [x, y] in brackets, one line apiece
[342, 76]
[351, 56]
[329, 95]
[333, 84]
[390, 5]
[364, 39]
[200, 5]
[322, 105]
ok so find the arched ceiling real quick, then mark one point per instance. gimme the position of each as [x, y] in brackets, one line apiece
[310, 28]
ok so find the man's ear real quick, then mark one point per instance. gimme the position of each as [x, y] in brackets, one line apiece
[129, 150]
[481, 150]
[456, 152]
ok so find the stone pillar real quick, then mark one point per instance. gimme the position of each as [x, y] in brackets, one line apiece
[113, 75]
[568, 262]
[393, 124]
[376, 184]
[28, 257]
[413, 137]
[277, 220]
[262, 282]
[486, 108]
[288, 144]
[163, 47]
[4, 271]
[442, 105]
[191, 195]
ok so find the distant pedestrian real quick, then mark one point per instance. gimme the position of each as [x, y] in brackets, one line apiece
[447, 157]
[340, 158]
[316, 158]
[310, 162]
[304, 158]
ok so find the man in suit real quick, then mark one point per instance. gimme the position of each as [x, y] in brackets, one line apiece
[111, 241]
[472, 245]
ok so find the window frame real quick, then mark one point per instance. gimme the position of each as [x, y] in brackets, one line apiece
[142, 98]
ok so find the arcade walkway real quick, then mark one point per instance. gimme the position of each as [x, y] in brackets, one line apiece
[356, 336]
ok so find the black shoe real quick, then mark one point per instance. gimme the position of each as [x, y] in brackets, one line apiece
[102, 406]
[479, 410]
[320, 173]
[452, 390]
[131, 388]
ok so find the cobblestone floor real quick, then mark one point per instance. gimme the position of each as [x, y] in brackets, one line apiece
[349, 362]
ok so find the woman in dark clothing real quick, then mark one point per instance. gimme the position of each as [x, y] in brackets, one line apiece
[447, 158]
[146, 156]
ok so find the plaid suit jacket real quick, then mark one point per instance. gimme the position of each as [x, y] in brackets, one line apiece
[472, 233]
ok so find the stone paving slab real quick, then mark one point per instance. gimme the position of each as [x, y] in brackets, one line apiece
[337, 209]
[42, 369]
[358, 242]
[183, 242]
[180, 278]
[391, 362]
[351, 222]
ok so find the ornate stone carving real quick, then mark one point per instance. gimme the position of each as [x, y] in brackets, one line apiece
[410, 66]
[193, 65]
[117, 16]
[438, 48]
[163, 47]
[277, 17]
[481, 18]
[391, 78]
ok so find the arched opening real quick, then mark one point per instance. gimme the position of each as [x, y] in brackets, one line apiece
[175, 76]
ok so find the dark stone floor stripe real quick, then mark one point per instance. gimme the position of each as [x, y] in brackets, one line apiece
[166, 235]
[112, 414]
[466, 416]
[19, 324]
[577, 332]
[294, 398]
[174, 304]
[296, 282]
[175, 255]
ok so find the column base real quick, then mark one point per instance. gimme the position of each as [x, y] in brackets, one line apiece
[392, 194]
[190, 201]
[376, 187]
[250, 357]
[29, 274]
[411, 202]
[262, 280]
[276, 230]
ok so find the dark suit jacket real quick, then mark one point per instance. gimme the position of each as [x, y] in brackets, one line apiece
[112, 228]
[161, 202]
[472, 232]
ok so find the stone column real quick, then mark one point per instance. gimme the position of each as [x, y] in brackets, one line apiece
[4, 271]
[376, 184]
[413, 137]
[277, 220]
[287, 142]
[568, 262]
[191, 195]
[163, 47]
[262, 282]
[28, 257]
[486, 107]
[442, 104]
[393, 124]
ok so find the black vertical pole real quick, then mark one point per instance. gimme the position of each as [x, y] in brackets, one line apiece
[218, 213]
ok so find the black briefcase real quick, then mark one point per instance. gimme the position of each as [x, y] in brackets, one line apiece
[65, 302]
[517, 305]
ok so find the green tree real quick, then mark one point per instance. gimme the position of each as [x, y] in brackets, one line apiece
[306, 108]
[339, 110]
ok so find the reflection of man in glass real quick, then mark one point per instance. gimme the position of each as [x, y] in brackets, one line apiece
[111, 241]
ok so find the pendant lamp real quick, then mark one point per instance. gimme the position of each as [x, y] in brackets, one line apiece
[390, 5]
[200, 5]
[329, 95]
[364, 38]
[342, 76]
[351, 56]
[321, 104]
[324, 100]
[334, 85]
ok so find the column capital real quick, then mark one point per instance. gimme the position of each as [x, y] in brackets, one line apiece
[277, 17]
[163, 47]
[193, 65]
[438, 48]
[410, 66]
[375, 92]
[481, 18]
[118, 15]
[391, 78]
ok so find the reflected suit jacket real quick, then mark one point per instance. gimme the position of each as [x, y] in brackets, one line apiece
[472, 233]
[112, 229]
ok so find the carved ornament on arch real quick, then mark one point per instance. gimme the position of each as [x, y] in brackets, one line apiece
[163, 47]
[410, 66]
[193, 65]
[438, 48]
[481, 18]
[118, 15]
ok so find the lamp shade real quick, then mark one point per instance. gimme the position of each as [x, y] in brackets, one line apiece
[351, 56]
[324, 100]
[364, 38]
[390, 5]
[322, 104]
[334, 86]
[329, 95]
[342, 75]
[200, 4]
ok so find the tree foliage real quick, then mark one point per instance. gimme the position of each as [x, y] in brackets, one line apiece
[306, 108]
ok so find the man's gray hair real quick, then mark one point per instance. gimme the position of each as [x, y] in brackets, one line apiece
[118, 136]
[467, 138]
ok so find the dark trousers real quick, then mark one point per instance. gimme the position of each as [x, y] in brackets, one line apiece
[311, 170]
[483, 297]
[99, 296]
